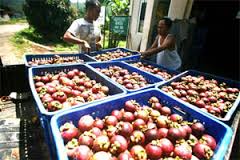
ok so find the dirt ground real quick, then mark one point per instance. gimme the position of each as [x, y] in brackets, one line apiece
[6, 49]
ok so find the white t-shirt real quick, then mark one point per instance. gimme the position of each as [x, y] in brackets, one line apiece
[169, 58]
[86, 31]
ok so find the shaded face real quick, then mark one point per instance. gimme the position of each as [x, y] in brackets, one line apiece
[95, 11]
[162, 28]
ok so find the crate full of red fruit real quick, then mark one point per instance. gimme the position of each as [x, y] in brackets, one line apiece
[58, 88]
[32, 60]
[154, 69]
[130, 78]
[142, 125]
[212, 95]
[115, 54]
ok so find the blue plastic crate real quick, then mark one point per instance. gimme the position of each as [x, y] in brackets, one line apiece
[229, 83]
[114, 90]
[151, 79]
[30, 57]
[135, 55]
[169, 71]
[219, 130]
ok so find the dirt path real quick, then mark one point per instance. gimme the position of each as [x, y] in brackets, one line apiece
[6, 50]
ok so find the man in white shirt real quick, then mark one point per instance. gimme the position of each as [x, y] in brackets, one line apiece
[84, 31]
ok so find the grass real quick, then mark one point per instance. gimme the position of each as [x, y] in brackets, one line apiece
[14, 21]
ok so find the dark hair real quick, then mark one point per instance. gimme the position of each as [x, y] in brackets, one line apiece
[92, 4]
[168, 21]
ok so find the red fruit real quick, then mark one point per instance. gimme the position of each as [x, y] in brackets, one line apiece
[208, 140]
[101, 156]
[76, 71]
[162, 121]
[68, 131]
[98, 123]
[45, 79]
[101, 143]
[83, 152]
[200, 103]
[202, 151]
[125, 128]
[96, 131]
[131, 106]
[125, 156]
[70, 147]
[60, 96]
[183, 151]
[105, 89]
[66, 89]
[142, 114]
[152, 134]
[153, 150]
[153, 100]
[39, 84]
[176, 118]
[157, 106]
[70, 74]
[86, 139]
[54, 106]
[166, 146]
[128, 117]
[165, 111]
[118, 144]
[111, 121]
[137, 137]
[66, 104]
[139, 124]
[174, 134]
[138, 153]
[76, 93]
[85, 123]
[118, 114]
[163, 132]
[197, 129]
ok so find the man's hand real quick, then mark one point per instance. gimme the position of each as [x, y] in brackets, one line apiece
[98, 46]
[143, 54]
[86, 47]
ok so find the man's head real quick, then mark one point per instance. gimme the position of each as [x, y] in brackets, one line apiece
[164, 25]
[93, 8]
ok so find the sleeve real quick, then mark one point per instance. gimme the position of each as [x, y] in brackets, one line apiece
[74, 28]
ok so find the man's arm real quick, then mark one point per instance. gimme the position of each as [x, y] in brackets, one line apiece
[69, 37]
[169, 43]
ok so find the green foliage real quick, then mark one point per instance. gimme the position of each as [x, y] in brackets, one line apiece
[50, 18]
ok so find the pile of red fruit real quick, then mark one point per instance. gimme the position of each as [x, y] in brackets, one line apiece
[56, 59]
[64, 90]
[152, 69]
[137, 133]
[209, 95]
[112, 55]
[124, 77]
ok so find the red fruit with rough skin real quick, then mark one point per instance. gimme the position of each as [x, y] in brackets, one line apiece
[137, 137]
[85, 123]
[125, 156]
[83, 152]
[59, 96]
[153, 150]
[118, 114]
[101, 155]
[66, 105]
[163, 132]
[162, 121]
[197, 129]
[118, 144]
[157, 106]
[96, 131]
[138, 153]
[153, 100]
[183, 151]
[152, 134]
[128, 117]
[54, 105]
[98, 123]
[131, 106]
[111, 121]
[165, 111]
[125, 128]
[68, 131]
[39, 84]
[70, 147]
[202, 151]
[208, 140]
[101, 143]
[174, 134]
[139, 124]
[70, 74]
[85, 139]
[142, 114]
[176, 117]
[105, 89]
[166, 146]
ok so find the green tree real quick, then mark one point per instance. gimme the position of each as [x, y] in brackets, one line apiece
[50, 18]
